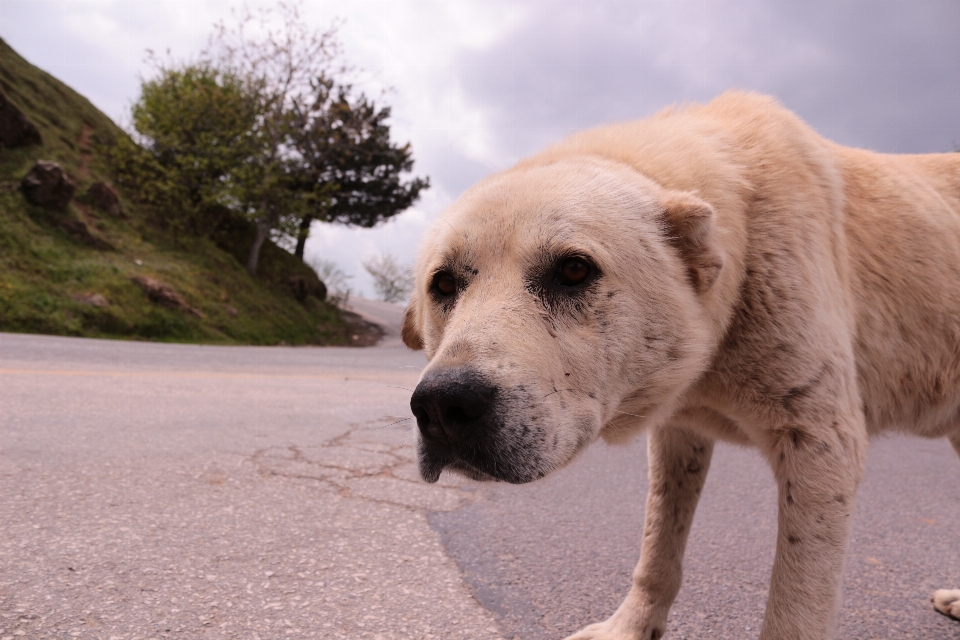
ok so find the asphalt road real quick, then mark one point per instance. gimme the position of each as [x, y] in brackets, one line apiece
[175, 491]
[549, 557]
[151, 491]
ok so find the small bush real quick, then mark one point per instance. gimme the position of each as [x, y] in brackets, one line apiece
[337, 281]
[392, 281]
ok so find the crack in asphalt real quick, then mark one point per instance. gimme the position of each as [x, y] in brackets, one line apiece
[375, 464]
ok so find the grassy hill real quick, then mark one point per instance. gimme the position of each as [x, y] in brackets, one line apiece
[75, 272]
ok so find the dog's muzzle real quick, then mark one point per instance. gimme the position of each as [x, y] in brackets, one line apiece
[463, 420]
[458, 417]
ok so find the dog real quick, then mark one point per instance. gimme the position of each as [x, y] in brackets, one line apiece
[714, 272]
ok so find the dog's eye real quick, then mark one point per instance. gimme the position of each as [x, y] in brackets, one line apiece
[573, 271]
[444, 284]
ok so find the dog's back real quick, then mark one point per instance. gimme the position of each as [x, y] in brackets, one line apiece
[903, 235]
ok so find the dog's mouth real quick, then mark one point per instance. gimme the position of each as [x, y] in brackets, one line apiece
[476, 462]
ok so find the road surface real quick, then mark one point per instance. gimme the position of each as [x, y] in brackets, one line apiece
[175, 491]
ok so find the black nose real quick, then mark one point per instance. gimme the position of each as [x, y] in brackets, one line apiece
[450, 404]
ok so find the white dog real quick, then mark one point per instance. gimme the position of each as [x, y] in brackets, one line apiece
[717, 272]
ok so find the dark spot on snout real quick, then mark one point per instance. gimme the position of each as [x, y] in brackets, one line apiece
[450, 404]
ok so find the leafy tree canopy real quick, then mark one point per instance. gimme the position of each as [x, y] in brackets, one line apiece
[193, 127]
[345, 145]
[261, 127]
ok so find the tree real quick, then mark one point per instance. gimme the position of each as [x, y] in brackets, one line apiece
[280, 66]
[192, 125]
[336, 279]
[391, 280]
[345, 145]
[268, 135]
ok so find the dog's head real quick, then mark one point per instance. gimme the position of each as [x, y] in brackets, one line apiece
[556, 302]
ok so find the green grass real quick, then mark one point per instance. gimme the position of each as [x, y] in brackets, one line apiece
[46, 272]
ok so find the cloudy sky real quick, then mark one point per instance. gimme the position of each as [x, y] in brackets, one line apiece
[478, 84]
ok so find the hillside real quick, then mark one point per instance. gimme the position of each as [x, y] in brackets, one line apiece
[90, 269]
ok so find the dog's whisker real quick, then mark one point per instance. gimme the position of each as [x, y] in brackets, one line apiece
[394, 422]
[557, 391]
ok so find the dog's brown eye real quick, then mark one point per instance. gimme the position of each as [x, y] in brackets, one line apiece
[445, 284]
[573, 271]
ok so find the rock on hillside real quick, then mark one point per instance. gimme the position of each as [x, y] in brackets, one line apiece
[15, 129]
[47, 186]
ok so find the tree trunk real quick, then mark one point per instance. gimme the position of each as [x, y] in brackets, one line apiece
[302, 236]
[263, 231]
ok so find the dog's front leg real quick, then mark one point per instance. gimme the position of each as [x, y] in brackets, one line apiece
[678, 468]
[818, 470]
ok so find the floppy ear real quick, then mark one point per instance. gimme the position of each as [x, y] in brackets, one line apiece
[690, 230]
[408, 329]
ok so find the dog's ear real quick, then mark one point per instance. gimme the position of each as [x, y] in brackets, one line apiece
[408, 329]
[690, 229]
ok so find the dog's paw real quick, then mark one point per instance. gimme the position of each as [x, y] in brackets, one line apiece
[608, 631]
[947, 602]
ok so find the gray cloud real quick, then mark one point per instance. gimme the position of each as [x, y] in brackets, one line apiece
[452, 171]
[883, 74]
